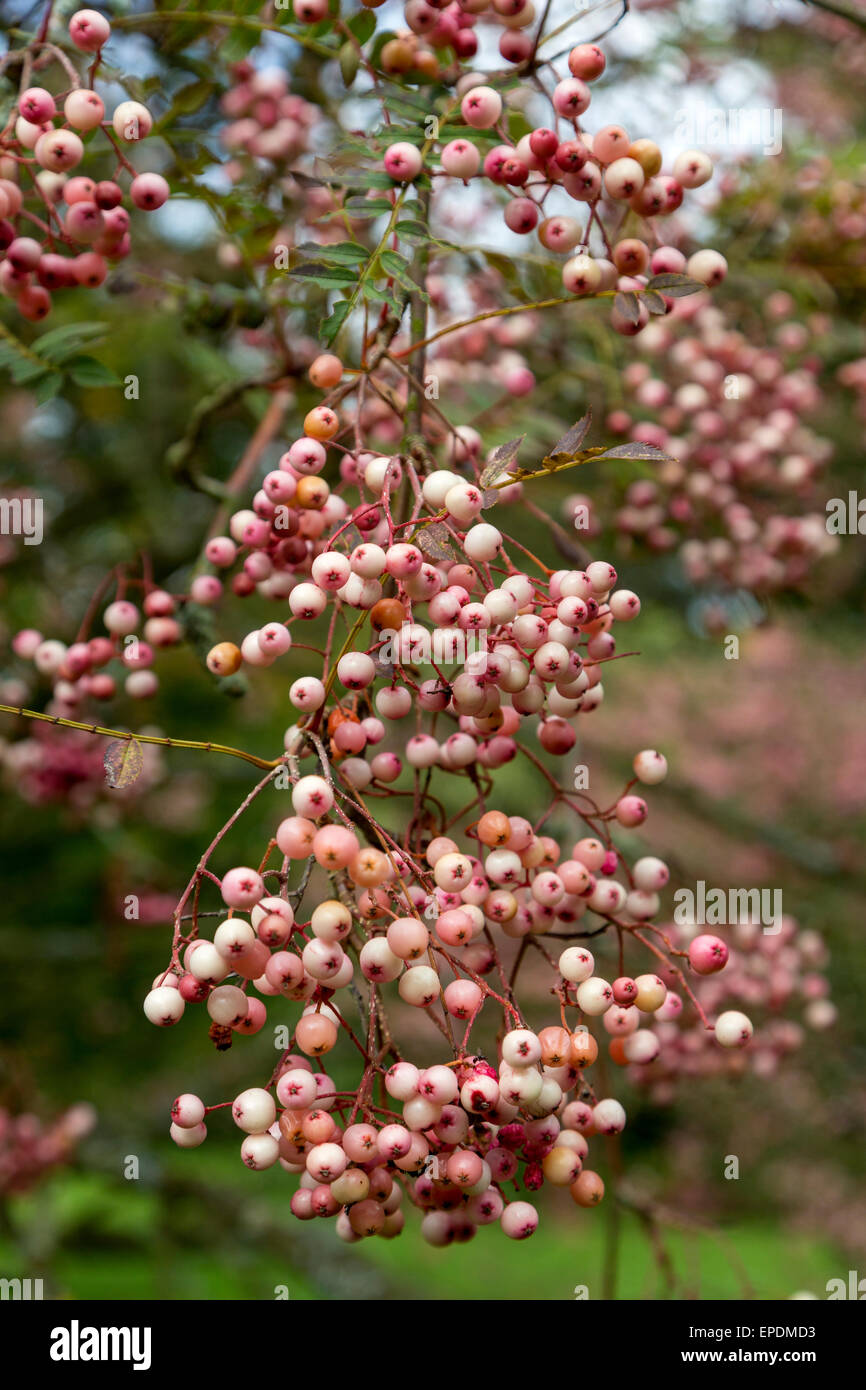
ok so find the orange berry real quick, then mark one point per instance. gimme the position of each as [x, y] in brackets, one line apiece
[326, 371]
[489, 723]
[397, 55]
[501, 905]
[321, 423]
[224, 659]
[370, 868]
[584, 1048]
[291, 1127]
[427, 63]
[617, 1052]
[588, 1189]
[555, 1046]
[315, 1034]
[561, 1166]
[312, 493]
[494, 828]
[317, 1126]
[387, 613]
[648, 156]
[366, 1218]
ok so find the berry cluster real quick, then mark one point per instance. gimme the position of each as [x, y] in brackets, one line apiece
[59, 229]
[429, 918]
[373, 543]
[766, 972]
[80, 672]
[265, 120]
[434, 925]
[738, 496]
[29, 1150]
[608, 172]
[84, 675]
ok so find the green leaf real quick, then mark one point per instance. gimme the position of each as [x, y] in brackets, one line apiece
[60, 343]
[648, 452]
[628, 305]
[675, 286]
[568, 445]
[23, 372]
[362, 25]
[377, 296]
[340, 253]
[191, 98]
[504, 264]
[306, 180]
[366, 178]
[237, 44]
[397, 267]
[416, 112]
[48, 388]
[458, 132]
[654, 302]
[394, 263]
[350, 61]
[329, 277]
[361, 208]
[86, 371]
[500, 460]
[333, 324]
[412, 231]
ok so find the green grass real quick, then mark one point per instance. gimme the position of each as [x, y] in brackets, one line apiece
[563, 1263]
[93, 1239]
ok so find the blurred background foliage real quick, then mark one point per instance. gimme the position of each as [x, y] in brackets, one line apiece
[768, 753]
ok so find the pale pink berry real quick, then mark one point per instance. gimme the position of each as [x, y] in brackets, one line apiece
[650, 767]
[461, 159]
[733, 1029]
[481, 107]
[710, 267]
[164, 1006]
[631, 810]
[254, 1110]
[84, 109]
[242, 888]
[131, 121]
[188, 1111]
[312, 797]
[692, 168]
[59, 150]
[519, 1220]
[188, 1138]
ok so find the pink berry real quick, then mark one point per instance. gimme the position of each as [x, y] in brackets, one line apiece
[403, 162]
[707, 954]
[89, 30]
[149, 191]
[36, 105]
[242, 888]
